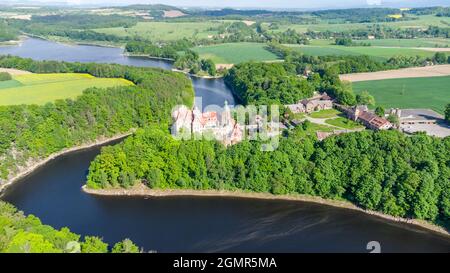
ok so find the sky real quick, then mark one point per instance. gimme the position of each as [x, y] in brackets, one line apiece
[300, 4]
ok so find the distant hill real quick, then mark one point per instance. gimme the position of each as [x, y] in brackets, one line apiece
[156, 11]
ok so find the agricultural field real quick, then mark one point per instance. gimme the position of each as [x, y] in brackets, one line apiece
[419, 42]
[422, 22]
[424, 42]
[167, 31]
[430, 92]
[379, 53]
[410, 72]
[43, 88]
[236, 53]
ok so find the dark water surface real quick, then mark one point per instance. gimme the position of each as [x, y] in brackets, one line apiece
[188, 224]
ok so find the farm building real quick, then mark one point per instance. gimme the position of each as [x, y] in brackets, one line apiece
[317, 103]
[421, 120]
[370, 120]
[416, 116]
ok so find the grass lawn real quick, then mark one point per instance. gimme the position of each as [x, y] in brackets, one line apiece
[379, 53]
[298, 115]
[314, 127]
[234, 53]
[430, 92]
[43, 88]
[343, 123]
[328, 113]
[166, 31]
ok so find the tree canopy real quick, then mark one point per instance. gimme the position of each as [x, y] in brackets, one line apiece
[386, 171]
[27, 234]
[33, 132]
[268, 83]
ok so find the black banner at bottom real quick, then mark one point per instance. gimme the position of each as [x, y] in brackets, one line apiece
[226, 262]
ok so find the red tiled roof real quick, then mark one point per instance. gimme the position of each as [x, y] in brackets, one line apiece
[208, 117]
[379, 122]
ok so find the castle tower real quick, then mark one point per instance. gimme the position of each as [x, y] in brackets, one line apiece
[196, 121]
[226, 116]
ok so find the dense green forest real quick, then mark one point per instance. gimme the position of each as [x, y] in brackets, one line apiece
[7, 33]
[361, 15]
[75, 26]
[356, 15]
[169, 50]
[29, 132]
[281, 83]
[26, 234]
[268, 83]
[386, 171]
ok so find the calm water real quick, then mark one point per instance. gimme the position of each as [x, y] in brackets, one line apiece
[188, 224]
[211, 91]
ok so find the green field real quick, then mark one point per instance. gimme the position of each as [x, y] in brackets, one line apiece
[236, 53]
[431, 92]
[420, 42]
[43, 88]
[423, 22]
[379, 53]
[425, 42]
[167, 31]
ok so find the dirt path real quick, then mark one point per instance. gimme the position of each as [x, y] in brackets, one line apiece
[413, 72]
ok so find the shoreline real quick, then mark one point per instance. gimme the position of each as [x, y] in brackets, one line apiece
[127, 54]
[27, 170]
[17, 42]
[197, 76]
[140, 190]
[71, 42]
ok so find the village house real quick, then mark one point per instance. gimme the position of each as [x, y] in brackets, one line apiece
[316, 103]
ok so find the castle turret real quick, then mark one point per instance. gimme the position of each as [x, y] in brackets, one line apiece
[226, 116]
